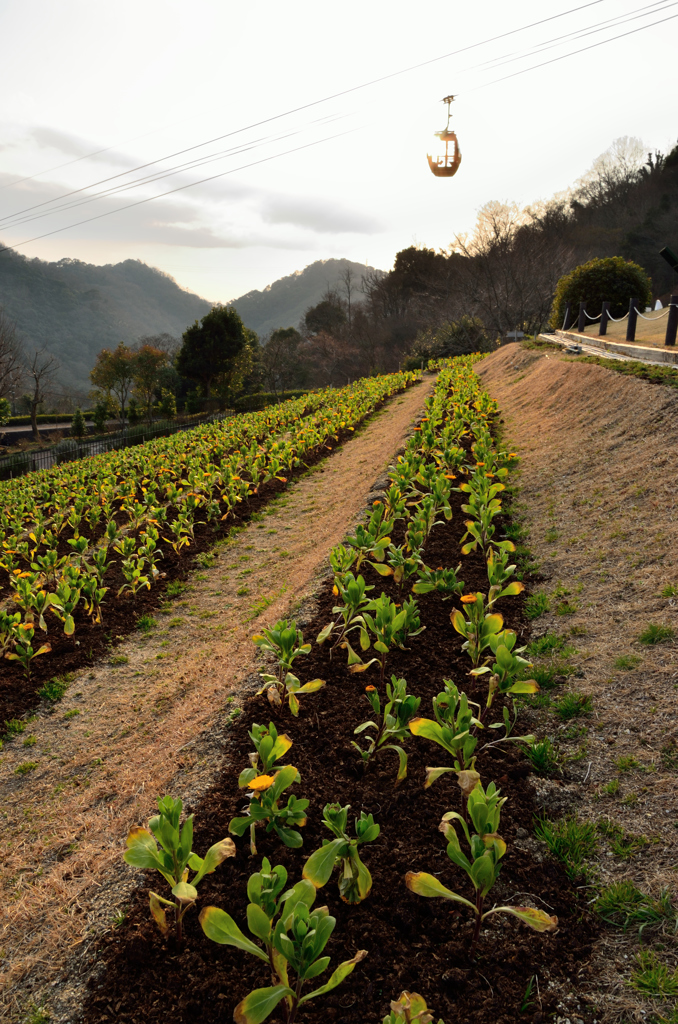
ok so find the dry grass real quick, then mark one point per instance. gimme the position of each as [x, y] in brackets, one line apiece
[599, 493]
[152, 725]
[648, 332]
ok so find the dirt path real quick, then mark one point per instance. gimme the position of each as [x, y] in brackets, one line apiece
[599, 496]
[152, 720]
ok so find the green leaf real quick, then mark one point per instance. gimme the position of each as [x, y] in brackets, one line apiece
[213, 858]
[324, 633]
[342, 971]
[317, 968]
[428, 885]
[315, 684]
[526, 686]
[258, 922]
[383, 570]
[293, 703]
[220, 927]
[257, 1006]
[513, 589]
[284, 778]
[289, 836]
[142, 851]
[537, 919]
[381, 647]
[318, 867]
[238, 826]
[185, 892]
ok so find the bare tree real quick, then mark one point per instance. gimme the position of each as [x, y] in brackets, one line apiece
[11, 356]
[41, 370]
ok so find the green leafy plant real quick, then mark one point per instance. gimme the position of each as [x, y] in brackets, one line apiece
[443, 581]
[386, 622]
[265, 793]
[477, 627]
[372, 540]
[353, 593]
[391, 727]
[652, 977]
[173, 859]
[627, 662]
[572, 841]
[654, 634]
[572, 705]
[507, 671]
[610, 279]
[355, 881]
[536, 605]
[295, 941]
[451, 730]
[409, 1008]
[285, 642]
[482, 868]
[543, 756]
[624, 905]
[24, 652]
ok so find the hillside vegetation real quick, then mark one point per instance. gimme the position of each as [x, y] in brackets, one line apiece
[75, 309]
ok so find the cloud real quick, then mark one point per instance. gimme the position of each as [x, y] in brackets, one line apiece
[316, 215]
[72, 145]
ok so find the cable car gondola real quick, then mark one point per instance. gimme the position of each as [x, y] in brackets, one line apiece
[448, 165]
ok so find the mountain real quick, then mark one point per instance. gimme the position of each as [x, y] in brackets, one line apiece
[283, 303]
[75, 309]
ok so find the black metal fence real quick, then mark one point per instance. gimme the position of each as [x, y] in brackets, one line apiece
[70, 449]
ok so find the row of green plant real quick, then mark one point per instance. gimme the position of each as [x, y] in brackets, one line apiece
[63, 530]
[454, 441]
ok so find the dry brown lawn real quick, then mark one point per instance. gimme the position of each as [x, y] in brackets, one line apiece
[599, 496]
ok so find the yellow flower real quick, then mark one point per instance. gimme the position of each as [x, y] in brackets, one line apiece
[468, 599]
[261, 783]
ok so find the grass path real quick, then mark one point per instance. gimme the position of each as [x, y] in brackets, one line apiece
[151, 720]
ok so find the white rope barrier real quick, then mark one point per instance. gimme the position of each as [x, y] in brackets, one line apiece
[663, 313]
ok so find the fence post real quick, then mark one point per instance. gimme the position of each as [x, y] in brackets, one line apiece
[672, 321]
[568, 311]
[604, 316]
[633, 320]
[581, 323]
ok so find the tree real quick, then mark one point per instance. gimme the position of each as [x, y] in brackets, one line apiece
[242, 367]
[612, 280]
[148, 362]
[210, 345]
[283, 363]
[41, 370]
[11, 356]
[328, 316]
[113, 373]
[78, 426]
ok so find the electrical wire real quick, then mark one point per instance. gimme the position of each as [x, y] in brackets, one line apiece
[573, 53]
[180, 188]
[319, 141]
[314, 103]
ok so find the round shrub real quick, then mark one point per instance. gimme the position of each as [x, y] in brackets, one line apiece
[613, 279]
[455, 338]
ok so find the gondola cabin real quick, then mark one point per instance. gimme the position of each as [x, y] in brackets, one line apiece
[447, 165]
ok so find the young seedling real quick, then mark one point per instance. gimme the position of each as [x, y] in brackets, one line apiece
[451, 730]
[391, 728]
[355, 881]
[477, 628]
[371, 541]
[23, 650]
[482, 868]
[173, 860]
[506, 670]
[295, 941]
[444, 581]
[265, 793]
[410, 1008]
[353, 593]
[386, 622]
[285, 642]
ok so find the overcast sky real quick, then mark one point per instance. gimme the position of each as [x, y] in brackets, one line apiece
[134, 81]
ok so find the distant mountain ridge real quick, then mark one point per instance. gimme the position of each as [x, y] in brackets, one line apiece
[75, 309]
[283, 303]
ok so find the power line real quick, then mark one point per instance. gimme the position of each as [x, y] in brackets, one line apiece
[14, 220]
[180, 188]
[314, 103]
[573, 53]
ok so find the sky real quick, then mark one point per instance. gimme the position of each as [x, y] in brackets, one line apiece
[91, 90]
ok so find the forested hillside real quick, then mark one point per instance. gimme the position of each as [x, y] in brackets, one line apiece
[284, 302]
[76, 308]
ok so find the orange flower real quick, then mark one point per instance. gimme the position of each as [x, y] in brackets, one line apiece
[468, 599]
[370, 689]
[261, 783]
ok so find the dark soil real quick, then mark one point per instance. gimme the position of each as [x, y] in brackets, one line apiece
[91, 641]
[413, 943]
